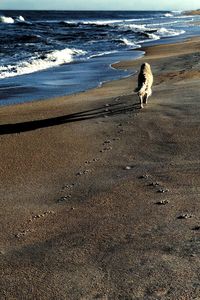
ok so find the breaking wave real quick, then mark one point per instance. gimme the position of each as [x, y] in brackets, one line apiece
[153, 32]
[164, 32]
[28, 47]
[20, 19]
[128, 42]
[168, 15]
[101, 23]
[102, 54]
[40, 62]
[6, 20]
[10, 20]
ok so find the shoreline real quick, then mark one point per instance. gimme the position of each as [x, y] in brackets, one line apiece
[100, 199]
[29, 91]
[115, 65]
[112, 66]
[123, 55]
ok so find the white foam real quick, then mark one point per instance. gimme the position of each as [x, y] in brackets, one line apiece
[102, 54]
[164, 32]
[10, 20]
[7, 20]
[38, 63]
[100, 22]
[168, 15]
[20, 19]
[151, 37]
[139, 19]
[103, 22]
[129, 43]
[165, 23]
[136, 27]
[177, 12]
[184, 17]
[143, 29]
[160, 32]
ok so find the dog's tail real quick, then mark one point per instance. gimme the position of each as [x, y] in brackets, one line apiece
[141, 90]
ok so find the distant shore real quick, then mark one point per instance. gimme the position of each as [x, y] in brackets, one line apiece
[192, 12]
[99, 199]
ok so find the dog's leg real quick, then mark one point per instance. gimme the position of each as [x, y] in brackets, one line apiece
[147, 95]
[145, 98]
[141, 101]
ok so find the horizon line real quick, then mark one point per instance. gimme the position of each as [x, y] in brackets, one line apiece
[8, 9]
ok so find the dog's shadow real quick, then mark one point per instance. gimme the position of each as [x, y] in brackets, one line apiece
[113, 109]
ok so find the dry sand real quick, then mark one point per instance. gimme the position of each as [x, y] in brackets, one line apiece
[99, 199]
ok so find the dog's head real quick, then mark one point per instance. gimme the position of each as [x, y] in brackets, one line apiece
[145, 67]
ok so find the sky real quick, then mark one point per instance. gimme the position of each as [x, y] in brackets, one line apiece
[100, 4]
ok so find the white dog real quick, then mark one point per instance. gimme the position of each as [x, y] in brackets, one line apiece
[145, 81]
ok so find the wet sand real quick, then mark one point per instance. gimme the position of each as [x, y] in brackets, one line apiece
[99, 199]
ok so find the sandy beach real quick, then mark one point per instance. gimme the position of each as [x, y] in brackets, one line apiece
[100, 199]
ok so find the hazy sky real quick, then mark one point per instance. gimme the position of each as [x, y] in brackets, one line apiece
[101, 4]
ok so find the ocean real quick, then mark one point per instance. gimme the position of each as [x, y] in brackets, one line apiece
[44, 54]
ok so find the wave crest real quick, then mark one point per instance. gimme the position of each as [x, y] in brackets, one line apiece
[154, 33]
[40, 62]
[6, 20]
[20, 19]
[164, 32]
[129, 43]
[168, 15]
[10, 20]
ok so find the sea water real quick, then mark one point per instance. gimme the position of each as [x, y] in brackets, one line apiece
[52, 53]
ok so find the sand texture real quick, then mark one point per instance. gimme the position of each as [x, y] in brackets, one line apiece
[100, 199]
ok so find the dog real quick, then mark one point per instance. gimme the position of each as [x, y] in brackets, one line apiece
[145, 82]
